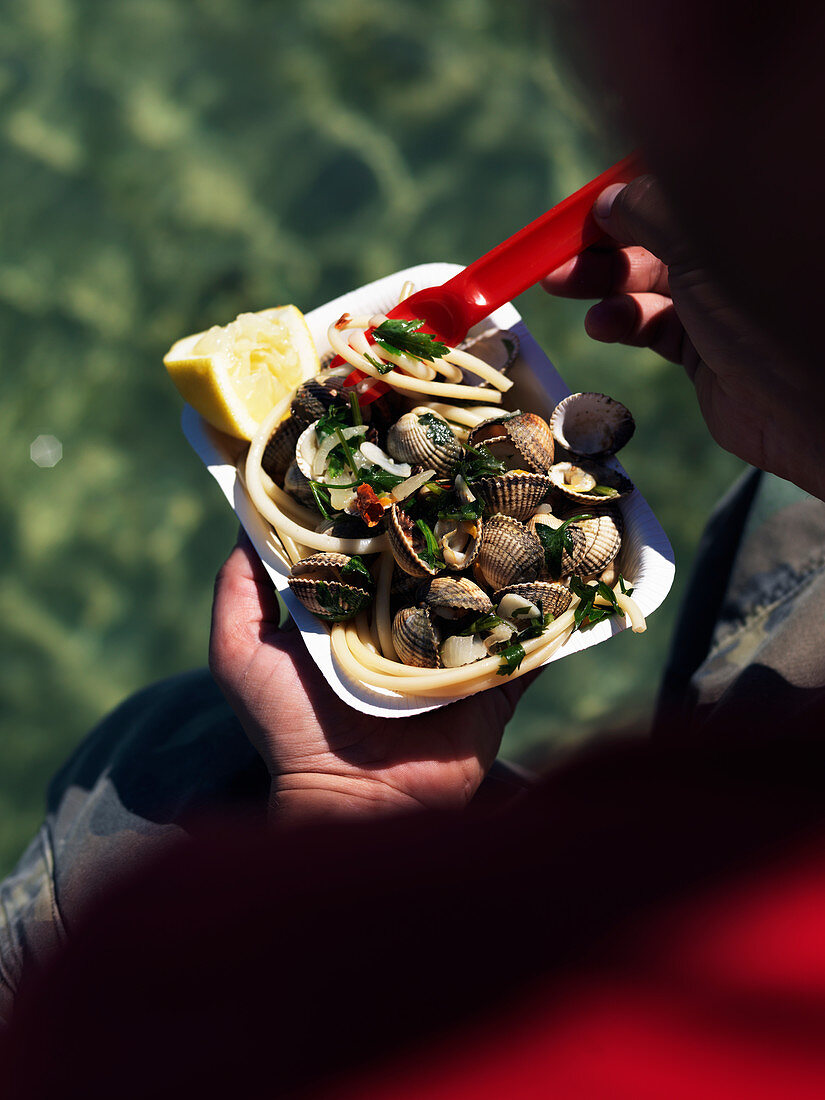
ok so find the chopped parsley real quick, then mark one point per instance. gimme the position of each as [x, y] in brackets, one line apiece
[587, 593]
[555, 541]
[437, 429]
[511, 658]
[404, 337]
[478, 626]
[334, 418]
[479, 462]
[355, 572]
[430, 553]
[382, 368]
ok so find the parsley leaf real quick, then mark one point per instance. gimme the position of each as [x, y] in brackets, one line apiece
[403, 336]
[511, 658]
[437, 429]
[586, 609]
[555, 541]
[479, 462]
[382, 368]
[378, 479]
[357, 573]
[485, 622]
[430, 554]
[334, 418]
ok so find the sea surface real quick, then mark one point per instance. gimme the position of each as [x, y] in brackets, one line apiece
[167, 165]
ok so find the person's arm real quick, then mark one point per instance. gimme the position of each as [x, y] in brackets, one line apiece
[324, 757]
[655, 292]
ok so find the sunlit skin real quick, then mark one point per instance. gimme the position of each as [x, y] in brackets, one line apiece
[324, 757]
[757, 402]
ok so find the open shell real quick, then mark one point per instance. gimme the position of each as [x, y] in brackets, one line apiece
[602, 474]
[591, 424]
[452, 597]
[524, 440]
[602, 541]
[402, 541]
[317, 583]
[554, 598]
[516, 493]
[430, 443]
[509, 553]
[577, 538]
[497, 347]
[416, 637]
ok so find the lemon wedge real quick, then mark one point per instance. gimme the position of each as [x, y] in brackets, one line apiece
[234, 374]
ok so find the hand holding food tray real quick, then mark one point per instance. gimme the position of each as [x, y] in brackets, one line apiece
[354, 655]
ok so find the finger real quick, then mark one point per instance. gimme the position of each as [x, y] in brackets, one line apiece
[636, 213]
[244, 610]
[598, 273]
[639, 320]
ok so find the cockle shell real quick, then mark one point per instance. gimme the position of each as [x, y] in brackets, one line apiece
[577, 538]
[452, 597]
[509, 553]
[430, 443]
[604, 476]
[591, 424]
[402, 535]
[280, 450]
[516, 493]
[497, 347]
[297, 485]
[602, 541]
[416, 637]
[313, 398]
[553, 598]
[317, 583]
[524, 440]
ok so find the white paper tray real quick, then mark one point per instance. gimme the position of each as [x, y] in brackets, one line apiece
[647, 557]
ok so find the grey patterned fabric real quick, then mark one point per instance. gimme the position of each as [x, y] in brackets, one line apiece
[751, 641]
[167, 758]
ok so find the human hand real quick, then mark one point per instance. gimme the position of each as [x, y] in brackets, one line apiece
[324, 757]
[757, 402]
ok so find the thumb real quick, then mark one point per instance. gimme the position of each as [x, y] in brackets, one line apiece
[637, 213]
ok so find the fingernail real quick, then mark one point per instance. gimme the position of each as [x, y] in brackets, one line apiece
[604, 203]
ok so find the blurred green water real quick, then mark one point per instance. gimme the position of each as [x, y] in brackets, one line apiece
[166, 165]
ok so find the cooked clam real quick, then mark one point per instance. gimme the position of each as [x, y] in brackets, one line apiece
[521, 440]
[496, 347]
[416, 637]
[313, 398]
[592, 482]
[591, 424]
[406, 542]
[576, 543]
[553, 599]
[425, 438]
[509, 553]
[330, 586]
[280, 450]
[297, 485]
[452, 597]
[602, 535]
[516, 493]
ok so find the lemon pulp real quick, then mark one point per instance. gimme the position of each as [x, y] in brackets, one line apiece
[233, 374]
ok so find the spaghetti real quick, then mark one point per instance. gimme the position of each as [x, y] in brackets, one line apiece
[367, 645]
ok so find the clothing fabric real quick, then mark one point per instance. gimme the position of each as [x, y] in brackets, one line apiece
[750, 643]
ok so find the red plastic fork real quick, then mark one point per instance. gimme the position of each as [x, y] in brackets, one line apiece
[449, 311]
